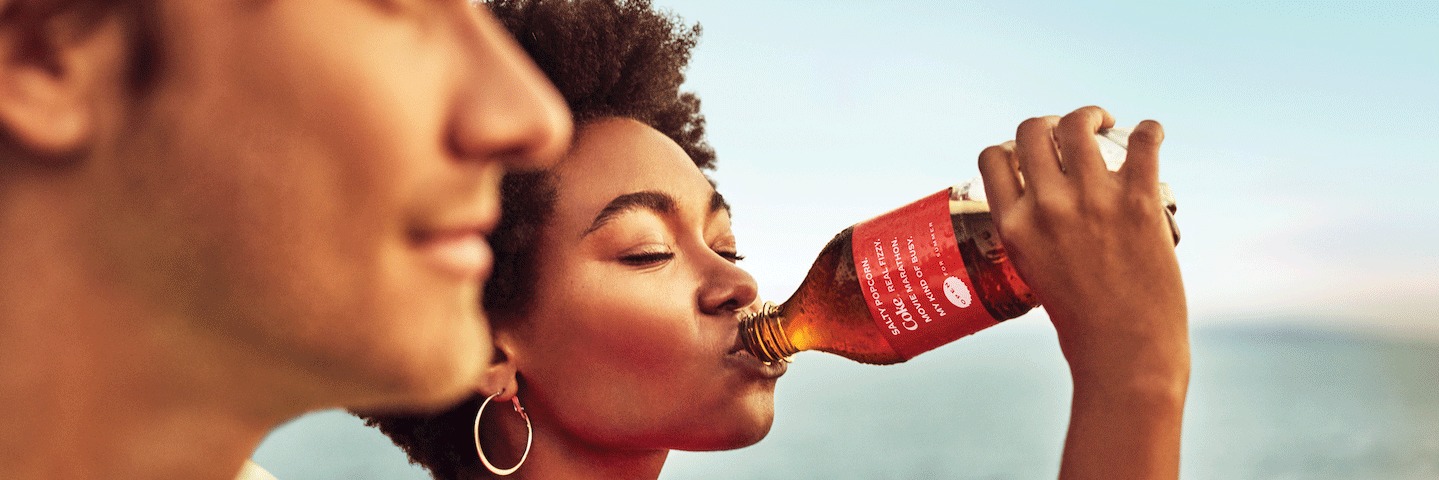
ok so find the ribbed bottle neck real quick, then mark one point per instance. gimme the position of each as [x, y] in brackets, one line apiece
[763, 336]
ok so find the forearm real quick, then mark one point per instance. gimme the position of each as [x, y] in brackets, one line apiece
[1099, 254]
[1125, 421]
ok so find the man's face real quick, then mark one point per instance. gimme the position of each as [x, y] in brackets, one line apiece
[310, 182]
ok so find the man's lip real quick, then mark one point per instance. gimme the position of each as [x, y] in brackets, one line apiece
[461, 252]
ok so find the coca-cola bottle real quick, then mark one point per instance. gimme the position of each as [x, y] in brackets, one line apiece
[905, 282]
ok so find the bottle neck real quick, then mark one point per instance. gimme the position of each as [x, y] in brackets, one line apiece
[763, 337]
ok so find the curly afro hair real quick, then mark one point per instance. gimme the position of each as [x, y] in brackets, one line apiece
[614, 58]
[608, 58]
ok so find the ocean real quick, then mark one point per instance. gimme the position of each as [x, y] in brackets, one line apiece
[1264, 403]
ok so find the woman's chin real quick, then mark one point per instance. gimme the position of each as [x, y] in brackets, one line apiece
[751, 437]
[750, 433]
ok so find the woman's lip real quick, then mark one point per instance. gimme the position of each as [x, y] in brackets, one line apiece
[744, 360]
[463, 253]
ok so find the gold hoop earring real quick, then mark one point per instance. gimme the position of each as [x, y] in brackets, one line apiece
[528, 441]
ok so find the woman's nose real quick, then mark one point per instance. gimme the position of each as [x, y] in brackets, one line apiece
[728, 289]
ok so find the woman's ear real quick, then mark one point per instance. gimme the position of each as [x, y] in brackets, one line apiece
[57, 73]
[502, 374]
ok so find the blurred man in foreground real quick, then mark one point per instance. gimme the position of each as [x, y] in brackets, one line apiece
[216, 215]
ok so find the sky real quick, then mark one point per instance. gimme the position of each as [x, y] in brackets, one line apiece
[1299, 135]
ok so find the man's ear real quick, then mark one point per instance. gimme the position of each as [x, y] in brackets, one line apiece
[502, 373]
[57, 72]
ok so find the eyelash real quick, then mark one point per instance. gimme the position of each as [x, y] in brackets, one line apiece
[733, 257]
[645, 259]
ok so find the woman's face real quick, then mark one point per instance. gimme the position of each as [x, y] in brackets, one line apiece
[631, 342]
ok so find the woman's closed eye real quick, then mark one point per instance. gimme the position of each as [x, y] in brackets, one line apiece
[731, 255]
[646, 259]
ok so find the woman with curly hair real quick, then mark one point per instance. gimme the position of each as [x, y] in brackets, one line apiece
[615, 293]
[615, 296]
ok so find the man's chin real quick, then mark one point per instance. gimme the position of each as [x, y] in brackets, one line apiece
[426, 387]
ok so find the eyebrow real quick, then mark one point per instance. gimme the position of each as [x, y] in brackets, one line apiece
[658, 202]
[717, 202]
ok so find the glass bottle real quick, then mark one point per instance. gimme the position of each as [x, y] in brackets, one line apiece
[908, 281]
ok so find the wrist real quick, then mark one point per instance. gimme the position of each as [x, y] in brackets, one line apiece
[1155, 375]
[1142, 391]
[1141, 364]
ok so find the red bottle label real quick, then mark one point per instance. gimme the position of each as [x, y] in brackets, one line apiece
[913, 276]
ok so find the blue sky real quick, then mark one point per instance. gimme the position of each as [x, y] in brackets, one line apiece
[1300, 134]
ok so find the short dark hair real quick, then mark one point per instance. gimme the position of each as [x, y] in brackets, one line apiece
[608, 58]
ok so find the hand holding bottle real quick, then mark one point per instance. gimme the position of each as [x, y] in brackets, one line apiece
[1100, 258]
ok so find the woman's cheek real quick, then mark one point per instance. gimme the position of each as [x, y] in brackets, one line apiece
[642, 321]
[662, 343]
[651, 331]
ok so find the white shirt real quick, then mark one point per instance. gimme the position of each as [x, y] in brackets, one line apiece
[250, 471]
